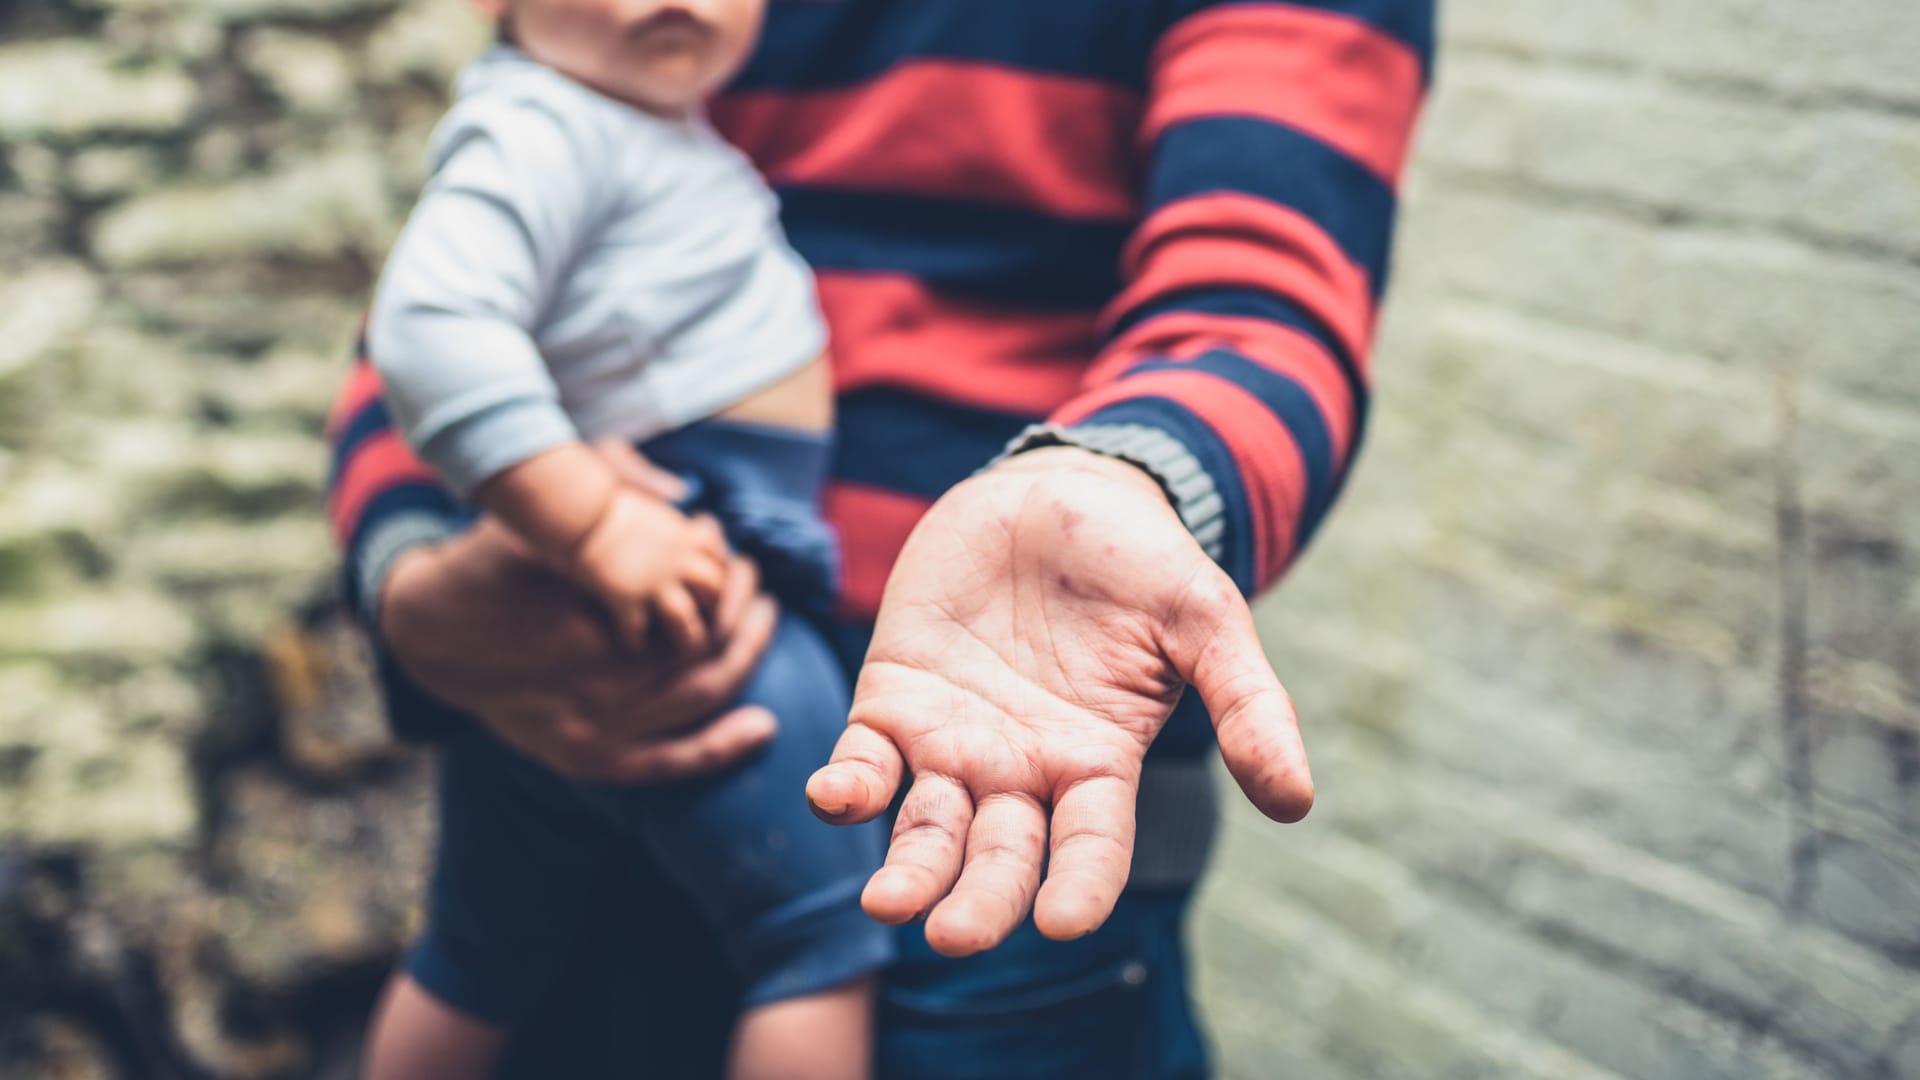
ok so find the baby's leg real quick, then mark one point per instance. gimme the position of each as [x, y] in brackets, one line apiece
[782, 887]
[416, 1036]
[520, 877]
[822, 1036]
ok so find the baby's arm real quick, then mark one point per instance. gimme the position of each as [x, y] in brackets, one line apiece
[518, 187]
[651, 565]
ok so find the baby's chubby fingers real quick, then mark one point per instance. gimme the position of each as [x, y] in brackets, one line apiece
[740, 583]
[704, 575]
[705, 534]
[681, 620]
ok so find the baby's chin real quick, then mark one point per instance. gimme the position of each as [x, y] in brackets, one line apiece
[672, 82]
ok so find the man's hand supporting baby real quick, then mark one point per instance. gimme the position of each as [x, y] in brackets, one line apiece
[480, 623]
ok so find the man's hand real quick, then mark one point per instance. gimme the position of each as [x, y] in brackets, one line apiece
[1036, 631]
[480, 624]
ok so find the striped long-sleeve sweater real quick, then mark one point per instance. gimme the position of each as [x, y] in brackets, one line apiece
[1170, 215]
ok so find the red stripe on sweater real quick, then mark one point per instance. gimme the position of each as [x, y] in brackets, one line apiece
[361, 389]
[1230, 240]
[950, 129]
[891, 330]
[1272, 470]
[1182, 335]
[382, 462]
[1329, 75]
[873, 527]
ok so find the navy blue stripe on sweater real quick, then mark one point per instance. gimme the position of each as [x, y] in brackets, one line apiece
[1282, 166]
[1249, 303]
[978, 251]
[1296, 410]
[817, 45]
[1409, 21]
[371, 420]
[920, 446]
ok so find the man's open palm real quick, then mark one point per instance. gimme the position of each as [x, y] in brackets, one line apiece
[1036, 631]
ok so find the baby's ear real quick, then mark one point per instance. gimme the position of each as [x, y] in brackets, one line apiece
[490, 10]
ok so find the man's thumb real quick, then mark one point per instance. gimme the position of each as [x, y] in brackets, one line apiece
[1213, 645]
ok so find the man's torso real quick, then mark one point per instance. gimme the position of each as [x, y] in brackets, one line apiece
[961, 176]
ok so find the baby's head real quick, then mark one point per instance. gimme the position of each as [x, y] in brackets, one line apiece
[663, 55]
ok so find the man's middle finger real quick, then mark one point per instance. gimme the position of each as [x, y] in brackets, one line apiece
[1005, 845]
[924, 855]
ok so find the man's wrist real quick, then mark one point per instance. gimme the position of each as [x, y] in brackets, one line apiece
[1172, 467]
[382, 550]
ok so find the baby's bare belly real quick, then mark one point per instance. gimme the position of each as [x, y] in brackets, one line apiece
[802, 401]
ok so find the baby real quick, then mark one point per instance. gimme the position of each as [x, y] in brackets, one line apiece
[588, 261]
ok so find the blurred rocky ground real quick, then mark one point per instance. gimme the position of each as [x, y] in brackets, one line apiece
[207, 847]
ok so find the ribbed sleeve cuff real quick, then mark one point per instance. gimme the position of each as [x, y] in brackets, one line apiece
[385, 541]
[1189, 487]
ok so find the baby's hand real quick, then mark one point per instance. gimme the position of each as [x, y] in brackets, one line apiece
[655, 569]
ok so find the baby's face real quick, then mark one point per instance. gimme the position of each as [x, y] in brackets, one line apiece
[664, 55]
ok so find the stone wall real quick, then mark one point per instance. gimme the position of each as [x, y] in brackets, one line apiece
[1611, 662]
[208, 852]
[1611, 659]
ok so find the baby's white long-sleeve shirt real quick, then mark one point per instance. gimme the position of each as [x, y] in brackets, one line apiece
[578, 268]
